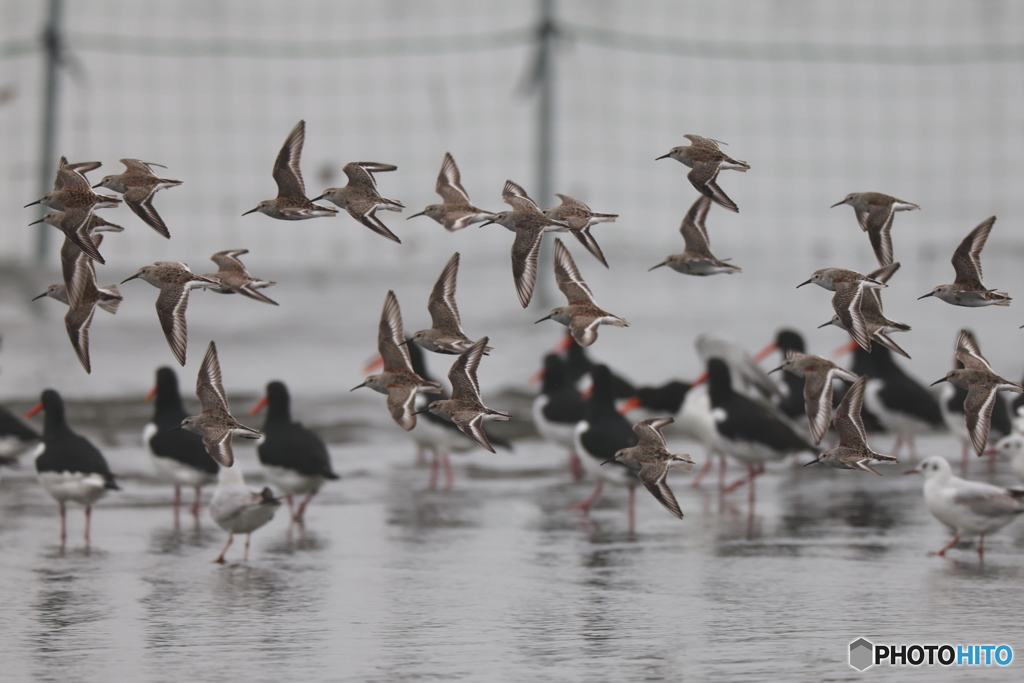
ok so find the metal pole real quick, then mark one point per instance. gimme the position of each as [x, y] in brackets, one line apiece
[547, 35]
[47, 164]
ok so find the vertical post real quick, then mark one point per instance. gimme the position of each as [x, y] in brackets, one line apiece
[52, 54]
[547, 35]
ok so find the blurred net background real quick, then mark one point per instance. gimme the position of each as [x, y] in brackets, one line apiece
[921, 101]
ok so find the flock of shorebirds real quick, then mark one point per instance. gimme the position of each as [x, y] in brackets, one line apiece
[730, 409]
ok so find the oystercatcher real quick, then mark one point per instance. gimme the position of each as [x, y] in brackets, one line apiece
[178, 455]
[294, 458]
[68, 465]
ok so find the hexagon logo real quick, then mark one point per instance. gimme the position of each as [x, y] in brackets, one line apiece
[862, 654]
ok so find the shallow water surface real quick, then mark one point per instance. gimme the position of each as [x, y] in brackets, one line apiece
[496, 579]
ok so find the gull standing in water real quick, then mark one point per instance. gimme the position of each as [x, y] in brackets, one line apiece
[970, 508]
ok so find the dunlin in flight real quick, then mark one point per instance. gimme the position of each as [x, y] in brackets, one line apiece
[982, 385]
[853, 452]
[397, 380]
[817, 373]
[68, 465]
[970, 508]
[651, 455]
[71, 256]
[234, 277]
[528, 222]
[215, 424]
[706, 159]
[582, 315]
[79, 233]
[83, 296]
[465, 408]
[696, 258]
[967, 289]
[73, 196]
[446, 335]
[849, 287]
[874, 213]
[877, 325]
[455, 212]
[138, 184]
[96, 224]
[580, 218]
[291, 203]
[294, 458]
[174, 280]
[361, 198]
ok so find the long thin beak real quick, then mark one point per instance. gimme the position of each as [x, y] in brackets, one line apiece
[663, 263]
[39, 297]
[814, 462]
[825, 324]
[766, 351]
[260, 405]
[421, 213]
[316, 199]
[837, 204]
[664, 156]
[547, 317]
[249, 211]
[926, 295]
[630, 404]
[913, 471]
[151, 395]
[775, 370]
[805, 283]
[937, 381]
[130, 278]
[485, 223]
[33, 411]
[359, 386]
[38, 201]
[608, 461]
[97, 185]
[36, 222]
[420, 412]
[172, 429]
